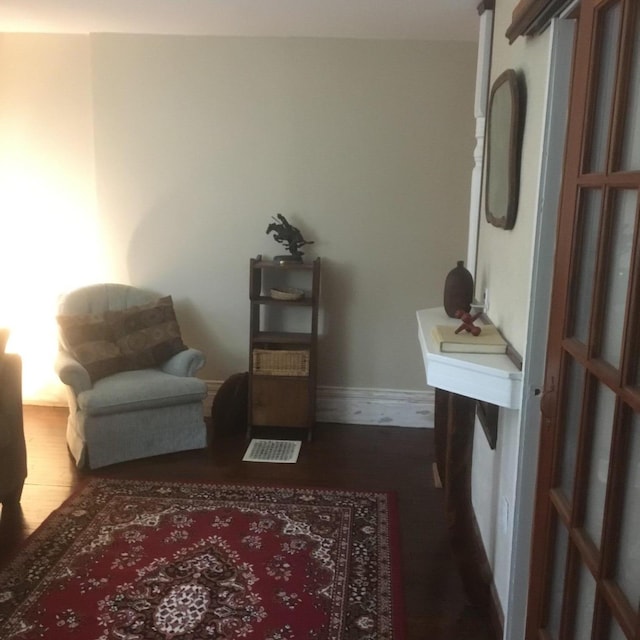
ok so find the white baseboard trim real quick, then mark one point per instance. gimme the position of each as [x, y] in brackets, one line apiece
[382, 407]
[212, 389]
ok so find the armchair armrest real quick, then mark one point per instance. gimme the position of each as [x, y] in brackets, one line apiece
[185, 363]
[72, 373]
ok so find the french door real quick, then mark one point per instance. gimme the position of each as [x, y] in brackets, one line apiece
[585, 568]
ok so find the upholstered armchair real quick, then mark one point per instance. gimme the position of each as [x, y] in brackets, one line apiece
[130, 379]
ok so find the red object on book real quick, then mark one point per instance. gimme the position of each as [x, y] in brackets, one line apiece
[467, 322]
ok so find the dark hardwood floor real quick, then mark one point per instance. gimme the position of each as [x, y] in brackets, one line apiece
[340, 456]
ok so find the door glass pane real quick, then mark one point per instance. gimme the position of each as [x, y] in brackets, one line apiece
[631, 138]
[557, 581]
[589, 222]
[605, 83]
[585, 605]
[571, 423]
[599, 465]
[628, 565]
[619, 258]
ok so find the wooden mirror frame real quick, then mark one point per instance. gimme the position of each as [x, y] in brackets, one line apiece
[502, 178]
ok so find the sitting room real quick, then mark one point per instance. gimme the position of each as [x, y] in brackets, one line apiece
[228, 228]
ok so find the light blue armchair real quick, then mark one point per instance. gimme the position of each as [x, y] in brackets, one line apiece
[119, 411]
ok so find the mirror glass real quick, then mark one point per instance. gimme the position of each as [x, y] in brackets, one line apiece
[502, 162]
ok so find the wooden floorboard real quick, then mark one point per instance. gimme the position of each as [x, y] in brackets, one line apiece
[340, 456]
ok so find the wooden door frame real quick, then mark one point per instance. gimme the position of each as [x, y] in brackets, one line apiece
[576, 361]
[562, 32]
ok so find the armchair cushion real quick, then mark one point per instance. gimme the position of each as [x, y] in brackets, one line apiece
[146, 335]
[138, 390]
[89, 338]
[139, 337]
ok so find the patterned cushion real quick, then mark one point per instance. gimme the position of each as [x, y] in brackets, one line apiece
[147, 335]
[89, 338]
[139, 337]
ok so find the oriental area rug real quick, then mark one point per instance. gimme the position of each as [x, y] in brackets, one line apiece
[133, 560]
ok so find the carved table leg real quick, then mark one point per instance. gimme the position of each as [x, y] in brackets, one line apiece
[459, 418]
[440, 431]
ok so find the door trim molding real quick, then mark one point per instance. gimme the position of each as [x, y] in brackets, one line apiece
[531, 17]
[551, 161]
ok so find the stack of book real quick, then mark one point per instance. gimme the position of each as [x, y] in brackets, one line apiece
[488, 341]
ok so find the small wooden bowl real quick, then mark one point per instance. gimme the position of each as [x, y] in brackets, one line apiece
[287, 294]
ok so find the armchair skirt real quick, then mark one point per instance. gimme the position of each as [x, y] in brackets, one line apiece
[135, 414]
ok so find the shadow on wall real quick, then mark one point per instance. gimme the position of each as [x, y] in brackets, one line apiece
[193, 256]
[333, 349]
[201, 257]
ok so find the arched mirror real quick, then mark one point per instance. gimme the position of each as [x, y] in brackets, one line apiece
[503, 151]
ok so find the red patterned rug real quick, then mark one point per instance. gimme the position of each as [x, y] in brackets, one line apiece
[133, 560]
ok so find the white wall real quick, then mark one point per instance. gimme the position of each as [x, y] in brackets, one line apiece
[365, 145]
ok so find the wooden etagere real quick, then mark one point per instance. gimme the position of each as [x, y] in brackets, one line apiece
[283, 362]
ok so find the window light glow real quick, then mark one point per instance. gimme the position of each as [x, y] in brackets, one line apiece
[51, 244]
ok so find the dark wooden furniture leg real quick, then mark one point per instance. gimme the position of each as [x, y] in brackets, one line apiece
[454, 425]
[441, 418]
[13, 456]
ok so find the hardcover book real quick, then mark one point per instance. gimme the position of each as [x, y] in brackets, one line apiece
[489, 340]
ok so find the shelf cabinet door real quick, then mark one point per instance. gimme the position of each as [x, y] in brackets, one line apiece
[282, 402]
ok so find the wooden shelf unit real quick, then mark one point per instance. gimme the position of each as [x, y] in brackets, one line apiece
[277, 400]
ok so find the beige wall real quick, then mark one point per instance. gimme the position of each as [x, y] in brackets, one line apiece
[365, 145]
[505, 257]
[505, 261]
